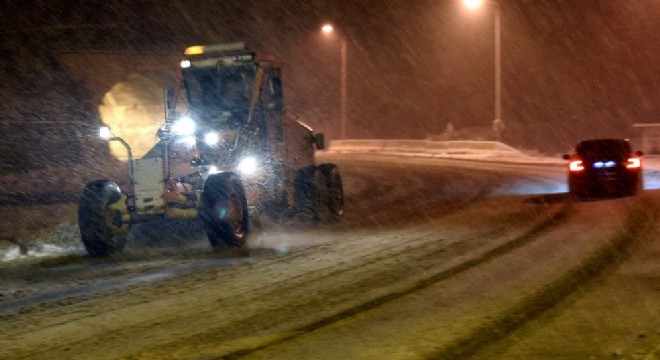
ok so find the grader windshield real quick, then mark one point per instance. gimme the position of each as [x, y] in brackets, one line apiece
[219, 81]
[220, 89]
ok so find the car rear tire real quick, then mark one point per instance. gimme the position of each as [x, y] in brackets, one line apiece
[311, 195]
[335, 191]
[224, 211]
[577, 192]
[100, 230]
[634, 189]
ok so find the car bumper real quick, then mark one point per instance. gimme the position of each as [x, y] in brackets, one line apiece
[605, 183]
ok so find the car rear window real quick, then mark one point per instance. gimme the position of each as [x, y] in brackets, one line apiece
[604, 147]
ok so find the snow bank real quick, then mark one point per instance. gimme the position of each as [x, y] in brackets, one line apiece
[455, 149]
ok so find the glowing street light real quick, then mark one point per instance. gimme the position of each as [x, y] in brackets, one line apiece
[328, 29]
[473, 4]
[498, 123]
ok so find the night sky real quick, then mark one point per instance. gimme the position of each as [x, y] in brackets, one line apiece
[570, 69]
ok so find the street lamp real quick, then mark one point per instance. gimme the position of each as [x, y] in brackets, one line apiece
[473, 4]
[498, 123]
[328, 29]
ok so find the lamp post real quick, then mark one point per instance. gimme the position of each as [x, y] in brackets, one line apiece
[498, 123]
[328, 29]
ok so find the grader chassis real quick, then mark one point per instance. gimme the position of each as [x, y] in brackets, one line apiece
[232, 155]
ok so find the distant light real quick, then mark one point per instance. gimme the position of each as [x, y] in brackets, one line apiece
[472, 4]
[185, 64]
[327, 28]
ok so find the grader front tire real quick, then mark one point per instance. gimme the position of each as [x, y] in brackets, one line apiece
[100, 231]
[224, 211]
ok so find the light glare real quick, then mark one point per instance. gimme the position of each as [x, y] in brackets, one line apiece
[576, 165]
[184, 126]
[189, 141]
[472, 4]
[211, 138]
[248, 166]
[327, 28]
[634, 163]
[604, 164]
[105, 133]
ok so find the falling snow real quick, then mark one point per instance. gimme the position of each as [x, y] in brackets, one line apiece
[438, 253]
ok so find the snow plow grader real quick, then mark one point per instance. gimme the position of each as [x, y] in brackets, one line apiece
[231, 156]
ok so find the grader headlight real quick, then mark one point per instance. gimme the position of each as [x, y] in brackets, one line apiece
[248, 166]
[212, 138]
[105, 133]
[213, 170]
[185, 126]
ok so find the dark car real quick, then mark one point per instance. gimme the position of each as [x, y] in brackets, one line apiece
[604, 168]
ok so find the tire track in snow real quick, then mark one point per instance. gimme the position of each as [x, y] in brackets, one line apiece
[82, 288]
[70, 293]
[616, 249]
[551, 220]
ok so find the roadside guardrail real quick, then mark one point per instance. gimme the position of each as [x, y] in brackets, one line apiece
[415, 146]
[490, 151]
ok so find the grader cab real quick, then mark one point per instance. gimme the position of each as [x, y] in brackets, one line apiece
[231, 155]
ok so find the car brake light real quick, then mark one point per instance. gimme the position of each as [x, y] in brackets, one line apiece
[634, 163]
[576, 165]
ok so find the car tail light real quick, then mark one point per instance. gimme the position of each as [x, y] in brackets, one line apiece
[576, 165]
[634, 163]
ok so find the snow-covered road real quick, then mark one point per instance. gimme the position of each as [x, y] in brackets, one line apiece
[434, 259]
